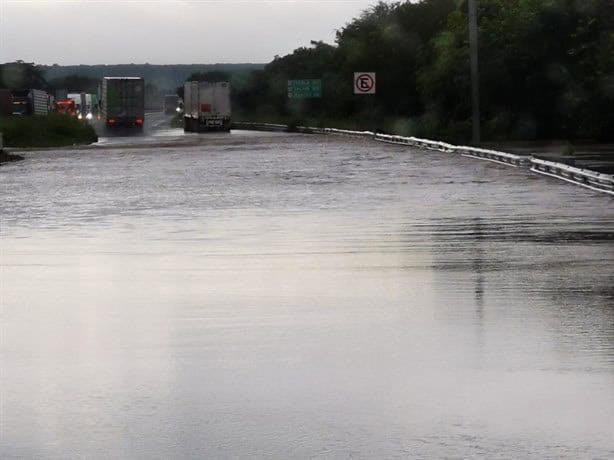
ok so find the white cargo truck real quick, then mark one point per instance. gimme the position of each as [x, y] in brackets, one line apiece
[206, 106]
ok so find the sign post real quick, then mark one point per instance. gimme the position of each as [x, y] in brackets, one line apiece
[475, 72]
[364, 82]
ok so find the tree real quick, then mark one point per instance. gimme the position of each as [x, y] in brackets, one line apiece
[22, 75]
[212, 76]
[76, 83]
[547, 71]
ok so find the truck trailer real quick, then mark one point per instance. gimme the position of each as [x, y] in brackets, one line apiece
[30, 102]
[171, 103]
[123, 102]
[206, 106]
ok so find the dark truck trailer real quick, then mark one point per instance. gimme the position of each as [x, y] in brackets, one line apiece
[171, 103]
[123, 102]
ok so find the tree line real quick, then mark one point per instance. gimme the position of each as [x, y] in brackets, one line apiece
[547, 71]
[21, 75]
[86, 78]
[166, 77]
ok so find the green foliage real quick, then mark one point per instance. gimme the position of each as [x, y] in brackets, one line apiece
[76, 84]
[212, 76]
[177, 121]
[22, 75]
[165, 77]
[547, 71]
[54, 130]
[569, 149]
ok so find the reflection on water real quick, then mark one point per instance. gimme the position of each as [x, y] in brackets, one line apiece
[301, 296]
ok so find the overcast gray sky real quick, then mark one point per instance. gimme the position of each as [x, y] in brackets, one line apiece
[165, 31]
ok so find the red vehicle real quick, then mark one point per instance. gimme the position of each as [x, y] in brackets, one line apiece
[66, 106]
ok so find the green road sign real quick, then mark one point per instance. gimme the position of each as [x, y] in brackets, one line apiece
[304, 89]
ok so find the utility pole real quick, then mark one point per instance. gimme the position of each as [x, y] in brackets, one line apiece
[475, 71]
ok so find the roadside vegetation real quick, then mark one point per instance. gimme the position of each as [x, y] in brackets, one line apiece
[547, 72]
[6, 157]
[177, 121]
[165, 77]
[53, 130]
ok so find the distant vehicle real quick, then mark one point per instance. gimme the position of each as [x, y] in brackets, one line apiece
[206, 106]
[79, 100]
[123, 102]
[6, 102]
[92, 105]
[40, 102]
[21, 103]
[66, 106]
[30, 102]
[61, 94]
[171, 103]
[86, 105]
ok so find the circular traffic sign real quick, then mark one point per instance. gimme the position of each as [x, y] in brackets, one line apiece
[364, 83]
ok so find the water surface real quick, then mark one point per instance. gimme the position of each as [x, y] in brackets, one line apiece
[301, 296]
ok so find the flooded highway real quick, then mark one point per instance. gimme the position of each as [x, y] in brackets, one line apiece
[285, 295]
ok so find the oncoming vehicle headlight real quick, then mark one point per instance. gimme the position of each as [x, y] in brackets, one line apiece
[178, 109]
[89, 116]
[80, 117]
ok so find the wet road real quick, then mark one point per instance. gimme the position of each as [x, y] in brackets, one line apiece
[261, 294]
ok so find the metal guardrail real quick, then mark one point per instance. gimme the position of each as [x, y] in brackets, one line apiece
[496, 156]
[472, 152]
[415, 142]
[259, 126]
[347, 132]
[584, 177]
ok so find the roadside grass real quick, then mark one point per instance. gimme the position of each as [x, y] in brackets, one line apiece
[54, 130]
[293, 121]
[385, 124]
[177, 121]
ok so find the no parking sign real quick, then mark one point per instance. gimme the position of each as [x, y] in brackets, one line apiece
[364, 82]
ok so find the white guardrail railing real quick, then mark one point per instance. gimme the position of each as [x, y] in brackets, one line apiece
[584, 177]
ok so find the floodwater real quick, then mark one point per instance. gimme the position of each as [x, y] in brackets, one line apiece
[255, 295]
